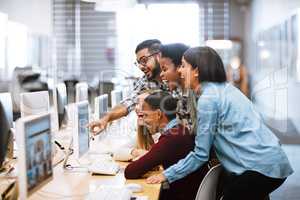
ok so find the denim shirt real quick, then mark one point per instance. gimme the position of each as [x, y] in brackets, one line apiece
[228, 121]
[170, 125]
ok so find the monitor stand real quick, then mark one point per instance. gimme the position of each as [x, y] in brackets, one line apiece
[74, 167]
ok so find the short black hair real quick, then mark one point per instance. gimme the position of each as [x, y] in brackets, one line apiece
[174, 52]
[164, 102]
[152, 45]
[208, 62]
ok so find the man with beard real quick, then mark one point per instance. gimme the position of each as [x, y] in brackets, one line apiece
[147, 57]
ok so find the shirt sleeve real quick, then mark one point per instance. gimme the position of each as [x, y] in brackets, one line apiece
[131, 100]
[158, 153]
[206, 119]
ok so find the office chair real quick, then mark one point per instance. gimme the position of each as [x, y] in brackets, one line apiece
[208, 187]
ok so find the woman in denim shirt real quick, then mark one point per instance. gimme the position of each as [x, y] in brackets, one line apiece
[247, 149]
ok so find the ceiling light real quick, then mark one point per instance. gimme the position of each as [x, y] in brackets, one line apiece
[112, 5]
[219, 44]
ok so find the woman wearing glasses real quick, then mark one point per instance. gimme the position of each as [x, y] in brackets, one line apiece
[254, 163]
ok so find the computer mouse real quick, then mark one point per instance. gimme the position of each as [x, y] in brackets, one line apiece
[134, 187]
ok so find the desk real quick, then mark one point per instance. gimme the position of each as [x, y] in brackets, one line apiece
[77, 185]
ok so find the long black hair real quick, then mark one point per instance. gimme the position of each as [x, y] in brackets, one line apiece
[208, 62]
[174, 52]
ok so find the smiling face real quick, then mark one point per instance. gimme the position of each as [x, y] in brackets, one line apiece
[169, 73]
[148, 63]
[138, 108]
[151, 118]
[188, 75]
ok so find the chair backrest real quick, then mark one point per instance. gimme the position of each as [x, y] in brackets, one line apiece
[208, 187]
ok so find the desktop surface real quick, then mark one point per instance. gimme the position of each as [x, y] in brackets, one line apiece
[71, 185]
[75, 185]
[80, 184]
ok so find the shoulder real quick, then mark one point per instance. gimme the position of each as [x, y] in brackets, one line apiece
[140, 81]
[178, 132]
[211, 96]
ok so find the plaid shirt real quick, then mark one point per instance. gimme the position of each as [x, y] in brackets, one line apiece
[139, 86]
[186, 107]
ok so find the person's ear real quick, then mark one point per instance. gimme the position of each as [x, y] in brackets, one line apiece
[196, 74]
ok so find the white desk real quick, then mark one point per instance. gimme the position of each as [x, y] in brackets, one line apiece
[78, 185]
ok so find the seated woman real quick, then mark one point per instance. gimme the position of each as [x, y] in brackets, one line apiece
[254, 162]
[143, 141]
[175, 142]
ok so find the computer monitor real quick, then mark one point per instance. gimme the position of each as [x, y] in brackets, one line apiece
[81, 92]
[116, 97]
[60, 102]
[6, 123]
[34, 103]
[101, 106]
[81, 138]
[6, 100]
[34, 149]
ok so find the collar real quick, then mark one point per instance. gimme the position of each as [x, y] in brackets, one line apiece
[177, 93]
[170, 125]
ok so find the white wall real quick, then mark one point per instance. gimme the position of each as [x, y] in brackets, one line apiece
[275, 100]
[35, 14]
[262, 15]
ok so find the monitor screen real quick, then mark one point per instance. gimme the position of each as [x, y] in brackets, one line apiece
[81, 92]
[38, 152]
[101, 105]
[116, 97]
[83, 131]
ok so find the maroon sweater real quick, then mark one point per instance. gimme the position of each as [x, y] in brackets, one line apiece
[172, 146]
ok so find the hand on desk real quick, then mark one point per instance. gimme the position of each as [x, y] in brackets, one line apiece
[97, 126]
[137, 153]
[156, 179]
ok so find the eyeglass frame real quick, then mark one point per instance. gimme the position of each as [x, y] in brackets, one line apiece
[138, 62]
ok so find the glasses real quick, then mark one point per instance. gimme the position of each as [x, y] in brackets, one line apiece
[144, 59]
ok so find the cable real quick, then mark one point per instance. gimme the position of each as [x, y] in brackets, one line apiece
[59, 145]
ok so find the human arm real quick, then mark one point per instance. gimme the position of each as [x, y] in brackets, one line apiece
[137, 153]
[207, 119]
[116, 113]
[158, 153]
